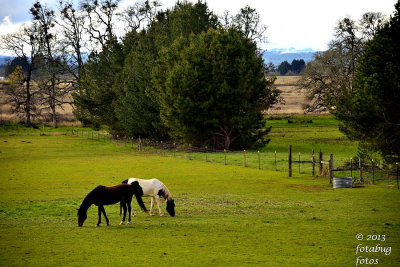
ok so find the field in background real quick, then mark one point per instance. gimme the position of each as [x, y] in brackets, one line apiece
[225, 214]
[293, 100]
[65, 112]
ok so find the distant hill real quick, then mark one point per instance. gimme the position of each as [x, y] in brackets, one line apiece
[3, 59]
[277, 56]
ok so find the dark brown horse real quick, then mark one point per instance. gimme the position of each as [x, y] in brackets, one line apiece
[103, 195]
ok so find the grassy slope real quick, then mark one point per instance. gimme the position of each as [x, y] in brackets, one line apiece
[321, 135]
[225, 214]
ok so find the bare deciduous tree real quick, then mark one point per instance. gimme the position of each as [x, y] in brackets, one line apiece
[54, 89]
[73, 42]
[23, 44]
[249, 22]
[140, 14]
[329, 77]
[101, 15]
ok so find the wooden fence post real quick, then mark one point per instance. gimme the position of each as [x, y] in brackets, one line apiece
[299, 163]
[313, 163]
[373, 172]
[244, 157]
[320, 163]
[359, 166]
[331, 169]
[259, 161]
[224, 156]
[397, 174]
[139, 146]
[206, 155]
[290, 160]
[351, 167]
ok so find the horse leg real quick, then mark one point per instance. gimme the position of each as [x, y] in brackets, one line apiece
[99, 212]
[129, 211]
[133, 212]
[151, 206]
[105, 216]
[158, 205]
[124, 208]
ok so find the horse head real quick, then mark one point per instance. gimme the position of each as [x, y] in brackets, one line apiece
[81, 217]
[171, 207]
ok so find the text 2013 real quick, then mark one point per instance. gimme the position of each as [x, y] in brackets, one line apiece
[376, 237]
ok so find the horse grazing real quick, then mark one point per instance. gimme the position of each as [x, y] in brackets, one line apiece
[155, 189]
[103, 195]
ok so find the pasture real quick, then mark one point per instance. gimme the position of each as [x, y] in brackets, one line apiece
[224, 214]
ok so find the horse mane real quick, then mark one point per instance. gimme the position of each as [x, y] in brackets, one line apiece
[125, 181]
[166, 192]
[88, 200]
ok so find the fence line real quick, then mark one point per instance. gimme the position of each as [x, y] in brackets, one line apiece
[266, 160]
[189, 150]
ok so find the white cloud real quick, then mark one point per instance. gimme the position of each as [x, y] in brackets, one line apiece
[300, 24]
[291, 23]
[7, 26]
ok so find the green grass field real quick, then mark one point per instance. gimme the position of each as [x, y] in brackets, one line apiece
[224, 214]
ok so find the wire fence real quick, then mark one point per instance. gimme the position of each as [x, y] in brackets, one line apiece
[301, 163]
[297, 163]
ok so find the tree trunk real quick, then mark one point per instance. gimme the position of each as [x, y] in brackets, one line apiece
[28, 103]
[53, 110]
[227, 141]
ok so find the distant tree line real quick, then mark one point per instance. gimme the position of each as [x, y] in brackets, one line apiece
[183, 73]
[294, 68]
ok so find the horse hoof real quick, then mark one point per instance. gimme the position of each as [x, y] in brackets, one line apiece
[133, 214]
[108, 224]
[129, 223]
[161, 214]
[121, 223]
[151, 214]
[97, 225]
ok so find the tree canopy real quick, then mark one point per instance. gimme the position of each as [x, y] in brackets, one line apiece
[212, 89]
[372, 112]
[177, 74]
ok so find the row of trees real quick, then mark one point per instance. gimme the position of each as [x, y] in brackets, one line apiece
[296, 67]
[182, 73]
[358, 80]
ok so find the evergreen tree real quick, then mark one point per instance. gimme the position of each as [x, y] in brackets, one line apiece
[136, 106]
[284, 67]
[214, 90]
[96, 101]
[297, 66]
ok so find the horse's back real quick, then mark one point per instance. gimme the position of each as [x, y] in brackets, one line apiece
[113, 194]
[150, 187]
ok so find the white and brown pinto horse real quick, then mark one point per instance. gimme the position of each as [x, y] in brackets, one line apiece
[155, 189]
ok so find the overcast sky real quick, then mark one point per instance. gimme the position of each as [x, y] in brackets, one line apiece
[299, 24]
